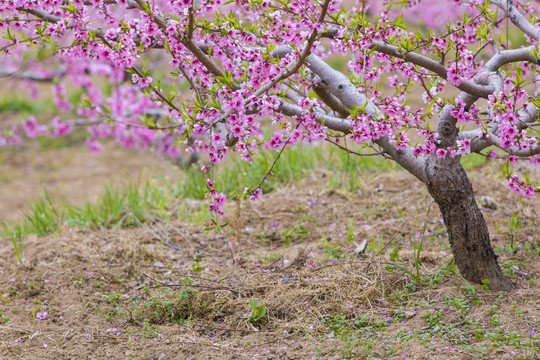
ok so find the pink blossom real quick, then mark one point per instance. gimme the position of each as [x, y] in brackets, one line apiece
[275, 142]
[60, 128]
[464, 146]
[93, 145]
[256, 194]
[453, 77]
[145, 82]
[210, 184]
[33, 129]
[237, 130]
[217, 138]
[529, 191]
[441, 153]
[216, 207]
[417, 151]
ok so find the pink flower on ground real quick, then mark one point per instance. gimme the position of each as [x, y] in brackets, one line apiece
[41, 316]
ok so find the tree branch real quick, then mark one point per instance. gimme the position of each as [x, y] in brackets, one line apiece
[511, 56]
[467, 86]
[329, 99]
[131, 3]
[446, 124]
[191, 23]
[311, 40]
[333, 123]
[513, 150]
[31, 75]
[340, 86]
[526, 116]
[517, 18]
[42, 14]
[301, 60]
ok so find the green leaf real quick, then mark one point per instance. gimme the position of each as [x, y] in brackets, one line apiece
[408, 272]
[257, 311]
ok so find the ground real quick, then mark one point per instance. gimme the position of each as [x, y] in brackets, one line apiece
[167, 289]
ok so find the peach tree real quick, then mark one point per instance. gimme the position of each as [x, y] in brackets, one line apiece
[235, 68]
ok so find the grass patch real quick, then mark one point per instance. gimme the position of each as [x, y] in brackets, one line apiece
[472, 161]
[76, 137]
[25, 106]
[133, 204]
[42, 218]
[234, 175]
[117, 208]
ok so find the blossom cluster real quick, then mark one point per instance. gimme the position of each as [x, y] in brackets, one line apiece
[211, 75]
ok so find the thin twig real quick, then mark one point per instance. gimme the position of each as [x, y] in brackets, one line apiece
[273, 164]
[354, 152]
[386, 245]
[155, 90]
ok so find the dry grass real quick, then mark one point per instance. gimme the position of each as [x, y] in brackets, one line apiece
[322, 299]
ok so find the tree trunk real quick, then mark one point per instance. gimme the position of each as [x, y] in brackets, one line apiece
[467, 230]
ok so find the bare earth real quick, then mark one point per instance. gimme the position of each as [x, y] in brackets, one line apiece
[70, 174]
[137, 293]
